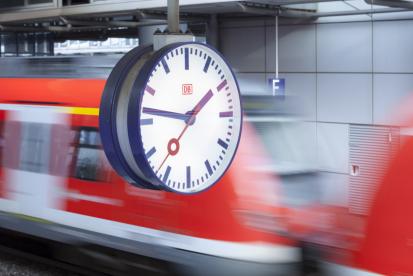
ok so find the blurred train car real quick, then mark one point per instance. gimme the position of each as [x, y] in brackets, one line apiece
[379, 242]
[55, 183]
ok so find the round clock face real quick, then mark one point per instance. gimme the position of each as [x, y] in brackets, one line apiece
[189, 118]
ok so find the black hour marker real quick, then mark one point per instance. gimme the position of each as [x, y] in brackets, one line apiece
[186, 59]
[145, 122]
[167, 172]
[207, 63]
[208, 166]
[150, 152]
[188, 177]
[226, 114]
[222, 144]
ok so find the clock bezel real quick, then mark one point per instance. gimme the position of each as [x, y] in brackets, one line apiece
[134, 115]
[107, 116]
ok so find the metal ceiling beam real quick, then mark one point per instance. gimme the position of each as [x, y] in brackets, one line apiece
[102, 8]
[113, 23]
[95, 9]
[309, 14]
[391, 3]
[55, 29]
[243, 8]
[293, 2]
[84, 26]
[95, 35]
[301, 14]
[145, 15]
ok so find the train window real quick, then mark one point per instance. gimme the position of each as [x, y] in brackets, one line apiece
[89, 137]
[90, 162]
[86, 165]
[35, 147]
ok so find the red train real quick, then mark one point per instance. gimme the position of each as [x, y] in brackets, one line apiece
[55, 174]
[379, 242]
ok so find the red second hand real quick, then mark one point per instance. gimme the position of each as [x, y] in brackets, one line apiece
[179, 138]
[198, 107]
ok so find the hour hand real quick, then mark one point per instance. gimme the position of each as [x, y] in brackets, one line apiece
[164, 113]
[202, 103]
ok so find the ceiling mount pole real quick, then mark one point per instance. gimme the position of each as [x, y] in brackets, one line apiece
[276, 45]
[173, 16]
[173, 34]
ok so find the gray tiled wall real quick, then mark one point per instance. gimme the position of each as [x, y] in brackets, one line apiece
[392, 46]
[244, 48]
[344, 47]
[297, 48]
[336, 74]
[333, 147]
[372, 50]
[389, 92]
[344, 98]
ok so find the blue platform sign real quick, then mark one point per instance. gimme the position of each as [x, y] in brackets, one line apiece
[277, 86]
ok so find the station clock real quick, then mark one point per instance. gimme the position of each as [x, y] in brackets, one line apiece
[171, 119]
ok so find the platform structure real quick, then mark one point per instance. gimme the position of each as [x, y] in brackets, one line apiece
[31, 27]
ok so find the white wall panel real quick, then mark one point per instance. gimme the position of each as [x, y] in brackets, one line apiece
[252, 83]
[393, 49]
[290, 144]
[345, 98]
[301, 94]
[333, 147]
[242, 23]
[344, 47]
[297, 48]
[334, 189]
[244, 48]
[390, 90]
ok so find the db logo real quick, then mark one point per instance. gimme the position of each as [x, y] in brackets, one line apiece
[187, 89]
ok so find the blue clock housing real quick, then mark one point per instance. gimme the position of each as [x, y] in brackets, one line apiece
[108, 121]
[141, 141]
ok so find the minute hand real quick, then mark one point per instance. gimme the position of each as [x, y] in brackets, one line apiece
[163, 113]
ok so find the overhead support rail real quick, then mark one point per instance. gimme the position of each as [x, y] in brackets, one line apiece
[271, 10]
[392, 3]
[20, 11]
[99, 19]
[67, 8]
[64, 24]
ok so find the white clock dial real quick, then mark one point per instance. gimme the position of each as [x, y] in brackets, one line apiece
[190, 118]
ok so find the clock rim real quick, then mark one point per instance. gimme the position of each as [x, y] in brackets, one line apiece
[107, 116]
[134, 115]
